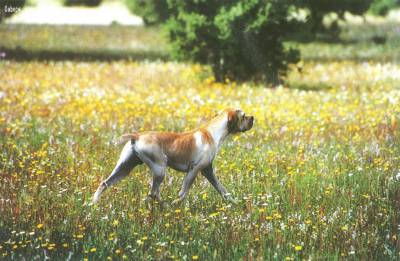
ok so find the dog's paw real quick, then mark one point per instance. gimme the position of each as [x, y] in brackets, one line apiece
[229, 198]
[148, 201]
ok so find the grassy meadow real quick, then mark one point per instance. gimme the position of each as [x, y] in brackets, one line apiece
[318, 176]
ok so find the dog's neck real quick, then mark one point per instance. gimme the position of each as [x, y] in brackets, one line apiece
[218, 129]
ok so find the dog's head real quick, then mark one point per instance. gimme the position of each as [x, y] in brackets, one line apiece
[238, 121]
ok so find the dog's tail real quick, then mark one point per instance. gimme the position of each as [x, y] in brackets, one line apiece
[127, 137]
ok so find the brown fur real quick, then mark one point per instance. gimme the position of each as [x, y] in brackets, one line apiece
[178, 147]
[181, 148]
[232, 120]
[206, 136]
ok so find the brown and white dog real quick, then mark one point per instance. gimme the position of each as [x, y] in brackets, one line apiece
[191, 152]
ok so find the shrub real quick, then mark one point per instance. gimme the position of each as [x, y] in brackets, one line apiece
[340, 6]
[382, 7]
[10, 7]
[151, 11]
[239, 39]
[319, 8]
[82, 2]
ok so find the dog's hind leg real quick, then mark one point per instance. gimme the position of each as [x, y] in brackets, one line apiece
[158, 172]
[187, 183]
[127, 161]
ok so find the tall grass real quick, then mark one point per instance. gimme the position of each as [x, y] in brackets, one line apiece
[316, 178]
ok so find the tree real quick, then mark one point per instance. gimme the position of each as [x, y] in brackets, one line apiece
[151, 11]
[382, 7]
[319, 8]
[82, 2]
[240, 39]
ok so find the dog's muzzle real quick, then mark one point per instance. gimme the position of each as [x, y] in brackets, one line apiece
[251, 122]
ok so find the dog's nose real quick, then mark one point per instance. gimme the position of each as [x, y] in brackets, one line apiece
[251, 121]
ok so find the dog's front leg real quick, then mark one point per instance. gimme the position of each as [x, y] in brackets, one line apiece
[187, 183]
[208, 172]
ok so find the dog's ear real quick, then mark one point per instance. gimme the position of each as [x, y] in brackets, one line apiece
[232, 120]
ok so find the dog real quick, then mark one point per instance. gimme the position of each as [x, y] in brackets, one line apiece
[191, 152]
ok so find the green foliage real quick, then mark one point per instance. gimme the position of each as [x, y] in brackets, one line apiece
[240, 40]
[382, 7]
[319, 8]
[151, 11]
[357, 7]
[82, 2]
[10, 7]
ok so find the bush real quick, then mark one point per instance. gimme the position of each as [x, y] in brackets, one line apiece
[10, 7]
[239, 39]
[382, 7]
[151, 11]
[319, 8]
[82, 2]
[357, 7]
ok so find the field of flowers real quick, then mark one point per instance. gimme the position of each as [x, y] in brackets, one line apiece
[317, 177]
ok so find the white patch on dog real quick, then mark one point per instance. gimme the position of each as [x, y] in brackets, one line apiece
[218, 130]
[198, 138]
[126, 152]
